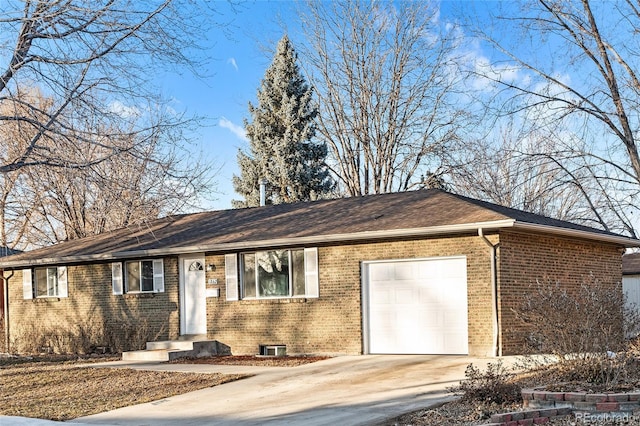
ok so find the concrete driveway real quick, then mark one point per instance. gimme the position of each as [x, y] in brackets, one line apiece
[350, 390]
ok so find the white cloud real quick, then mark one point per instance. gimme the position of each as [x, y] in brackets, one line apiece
[123, 110]
[233, 63]
[234, 128]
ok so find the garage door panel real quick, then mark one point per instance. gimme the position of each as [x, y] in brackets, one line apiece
[380, 295]
[404, 272]
[455, 345]
[405, 295]
[379, 272]
[631, 289]
[418, 306]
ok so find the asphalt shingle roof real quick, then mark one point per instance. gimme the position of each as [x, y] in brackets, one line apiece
[386, 212]
[631, 264]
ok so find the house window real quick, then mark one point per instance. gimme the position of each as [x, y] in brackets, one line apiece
[273, 273]
[46, 282]
[139, 276]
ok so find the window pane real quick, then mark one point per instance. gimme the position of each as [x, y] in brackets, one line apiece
[133, 276]
[52, 281]
[297, 272]
[41, 282]
[249, 275]
[273, 273]
[147, 275]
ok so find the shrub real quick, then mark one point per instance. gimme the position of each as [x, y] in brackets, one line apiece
[584, 329]
[123, 336]
[493, 386]
[87, 337]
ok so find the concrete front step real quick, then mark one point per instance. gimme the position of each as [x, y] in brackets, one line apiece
[184, 345]
[147, 355]
[173, 349]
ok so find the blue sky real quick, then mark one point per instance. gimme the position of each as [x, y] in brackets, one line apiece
[239, 55]
[241, 49]
[237, 62]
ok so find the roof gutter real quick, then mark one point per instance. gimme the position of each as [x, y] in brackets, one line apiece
[576, 233]
[246, 245]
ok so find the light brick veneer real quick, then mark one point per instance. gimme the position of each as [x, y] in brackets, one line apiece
[332, 323]
[90, 304]
[525, 259]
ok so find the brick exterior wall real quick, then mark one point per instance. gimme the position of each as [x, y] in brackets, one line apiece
[525, 259]
[332, 324]
[92, 315]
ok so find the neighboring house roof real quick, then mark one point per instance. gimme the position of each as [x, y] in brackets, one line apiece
[406, 214]
[6, 251]
[631, 264]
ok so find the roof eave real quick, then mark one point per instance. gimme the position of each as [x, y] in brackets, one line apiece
[331, 238]
[246, 245]
[580, 234]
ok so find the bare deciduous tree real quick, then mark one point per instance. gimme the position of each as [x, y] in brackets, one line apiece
[69, 203]
[383, 75]
[87, 145]
[576, 65]
[91, 59]
[46, 204]
[518, 169]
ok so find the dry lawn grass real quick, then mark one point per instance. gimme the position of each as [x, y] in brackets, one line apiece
[66, 391]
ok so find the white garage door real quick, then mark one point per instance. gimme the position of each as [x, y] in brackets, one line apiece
[416, 306]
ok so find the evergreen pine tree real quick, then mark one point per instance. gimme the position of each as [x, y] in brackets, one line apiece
[280, 139]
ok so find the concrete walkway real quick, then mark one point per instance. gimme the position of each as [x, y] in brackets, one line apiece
[350, 390]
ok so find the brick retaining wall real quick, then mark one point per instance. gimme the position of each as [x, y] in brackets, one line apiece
[544, 406]
[582, 401]
[529, 417]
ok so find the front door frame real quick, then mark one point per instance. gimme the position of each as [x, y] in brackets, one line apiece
[184, 262]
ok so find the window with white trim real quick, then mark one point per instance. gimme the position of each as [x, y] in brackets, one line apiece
[46, 282]
[138, 276]
[43, 282]
[277, 274]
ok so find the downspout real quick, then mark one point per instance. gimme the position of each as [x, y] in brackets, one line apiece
[497, 344]
[5, 302]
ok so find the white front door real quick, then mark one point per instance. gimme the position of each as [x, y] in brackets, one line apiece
[193, 302]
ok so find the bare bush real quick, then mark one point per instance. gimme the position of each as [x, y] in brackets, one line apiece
[122, 336]
[584, 329]
[495, 385]
[86, 337]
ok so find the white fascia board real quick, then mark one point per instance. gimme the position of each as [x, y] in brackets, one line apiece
[248, 245]
[576, 233]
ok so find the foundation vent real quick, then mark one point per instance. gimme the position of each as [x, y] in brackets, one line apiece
[273, 350]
